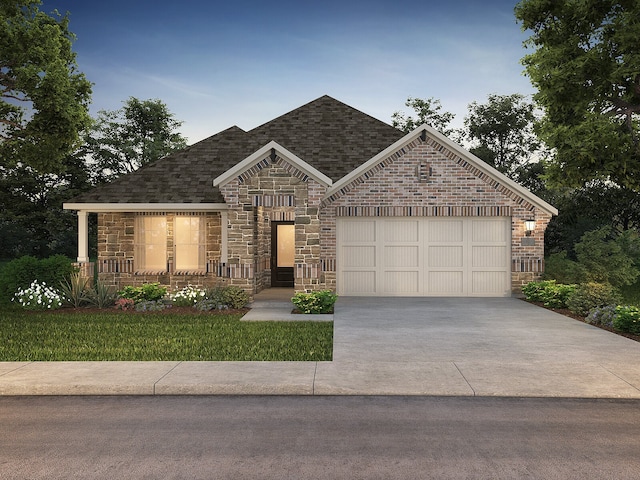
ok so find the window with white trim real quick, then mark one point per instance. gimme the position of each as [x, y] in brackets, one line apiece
[150, 243]
[189, 243]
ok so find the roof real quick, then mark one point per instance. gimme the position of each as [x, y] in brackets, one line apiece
[327, 139]
[329, 135]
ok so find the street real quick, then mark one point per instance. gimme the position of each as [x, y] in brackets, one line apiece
[219, 437]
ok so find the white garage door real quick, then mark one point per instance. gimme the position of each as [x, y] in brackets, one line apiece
[455, 256]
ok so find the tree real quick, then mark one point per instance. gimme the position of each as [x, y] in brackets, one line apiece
[501, 133]
[427, 111]
[586, 67]
[590, 207]
[32, 221]
[43, 98]
[139, 133]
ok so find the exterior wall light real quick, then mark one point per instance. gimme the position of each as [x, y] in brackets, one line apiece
[529, 226]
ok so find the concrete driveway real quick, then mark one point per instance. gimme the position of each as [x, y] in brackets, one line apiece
[473, 346]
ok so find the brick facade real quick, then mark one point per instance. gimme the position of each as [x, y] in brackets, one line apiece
[421, 179]
[429, 180]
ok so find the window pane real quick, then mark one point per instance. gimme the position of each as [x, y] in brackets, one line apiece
[189, 244]
[151, 243]
[286, 245]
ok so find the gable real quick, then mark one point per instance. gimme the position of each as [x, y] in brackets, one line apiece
[427, 169]
[264, 157]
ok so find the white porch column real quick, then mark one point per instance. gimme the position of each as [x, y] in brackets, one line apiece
[83, 236]
[224, 230]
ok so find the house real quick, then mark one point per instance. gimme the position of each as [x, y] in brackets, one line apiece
[322, 197]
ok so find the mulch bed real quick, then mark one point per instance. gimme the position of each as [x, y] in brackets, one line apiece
[568, 313]
[166, 311]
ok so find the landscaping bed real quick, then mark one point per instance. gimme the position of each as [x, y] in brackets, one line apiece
[568, 313]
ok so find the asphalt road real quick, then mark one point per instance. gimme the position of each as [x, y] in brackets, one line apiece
[318, 437]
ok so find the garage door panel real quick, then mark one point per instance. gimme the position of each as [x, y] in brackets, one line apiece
[445, 231]
[358, 232]
[488, 231]
[359, 256]
[489, 257]
[488, 282]
[358, 283]
[447, 256]
[443, 257]
[401, 256]
[401, 231]
[446, 283]
[402, 283]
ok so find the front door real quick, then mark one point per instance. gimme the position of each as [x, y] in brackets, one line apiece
[283, 242]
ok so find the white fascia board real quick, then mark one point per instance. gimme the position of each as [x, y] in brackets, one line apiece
[146, 207]
[263, 152]
[468, 156]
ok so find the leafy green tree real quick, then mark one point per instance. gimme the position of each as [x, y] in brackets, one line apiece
[501, 133]
[586, 68]
[427, 111]
[43, 98]
[596, 205]
[123, 140]
[610, 257]
[32, 221]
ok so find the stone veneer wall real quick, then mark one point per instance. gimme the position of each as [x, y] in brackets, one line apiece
[428, 180]
[273, 190]
[116, 262]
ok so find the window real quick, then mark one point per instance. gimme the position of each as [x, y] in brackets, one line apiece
[189, 243]
[151, 243]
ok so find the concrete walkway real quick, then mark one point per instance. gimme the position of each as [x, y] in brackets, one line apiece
[385, 346]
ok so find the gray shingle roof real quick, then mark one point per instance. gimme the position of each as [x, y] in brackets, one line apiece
[332, 137]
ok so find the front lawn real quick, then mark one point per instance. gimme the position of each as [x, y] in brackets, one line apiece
[95, 335]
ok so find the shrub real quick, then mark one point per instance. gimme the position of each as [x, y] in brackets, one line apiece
[188, 296]
[562, 269]
[75, 290]
[38, 296]
[101, 295]
[609, 257]
[627, 319]
[588, 296]
[602, 315]
[234, 297]
[125, 304]
[215, 296]
[148, 292]
[150, 306]
[20, 273]
[315, 302]
[550, 293]
[207, 305]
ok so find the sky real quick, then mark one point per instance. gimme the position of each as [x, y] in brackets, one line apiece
[216, 64]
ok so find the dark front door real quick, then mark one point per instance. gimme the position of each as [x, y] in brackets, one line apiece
[283, 242]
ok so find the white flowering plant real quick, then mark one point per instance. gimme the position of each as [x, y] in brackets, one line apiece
[188, 296]
[38, 296]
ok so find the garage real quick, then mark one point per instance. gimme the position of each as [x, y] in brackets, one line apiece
[424, 256]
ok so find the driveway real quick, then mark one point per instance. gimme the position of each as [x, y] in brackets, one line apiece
[473, 346]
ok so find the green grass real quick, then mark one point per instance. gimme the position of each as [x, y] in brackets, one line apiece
[70, 336]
